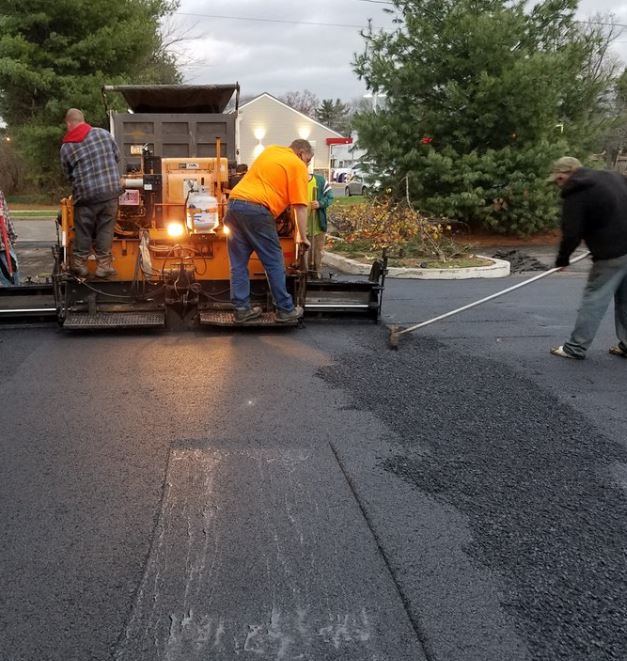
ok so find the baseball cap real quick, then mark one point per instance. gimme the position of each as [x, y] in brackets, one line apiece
[564, 165]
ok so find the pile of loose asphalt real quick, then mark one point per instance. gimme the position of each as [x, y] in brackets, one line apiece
[520, 261]
[530, 474]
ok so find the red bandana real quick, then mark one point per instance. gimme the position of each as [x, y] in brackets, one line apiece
[78, 133]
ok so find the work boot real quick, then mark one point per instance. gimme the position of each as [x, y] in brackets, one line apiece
[104, 268]
[79, 266]
[284, 317]
[562, 353]
[619, 350]
[242, 315]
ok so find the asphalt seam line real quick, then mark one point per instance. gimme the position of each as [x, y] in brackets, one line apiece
[419, 634]
[122, 638]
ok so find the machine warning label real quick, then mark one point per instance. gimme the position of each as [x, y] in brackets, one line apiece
[188, 166]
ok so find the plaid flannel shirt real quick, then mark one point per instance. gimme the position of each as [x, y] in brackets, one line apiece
[4, 207]
[92, 167]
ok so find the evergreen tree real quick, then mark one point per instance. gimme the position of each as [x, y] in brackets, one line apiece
[334, 114]
[55, 55]
[481, 96]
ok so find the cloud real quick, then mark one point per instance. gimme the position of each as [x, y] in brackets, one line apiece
[276, 57]
[296, 54]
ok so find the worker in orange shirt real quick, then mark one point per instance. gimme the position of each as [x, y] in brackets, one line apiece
[276, 180]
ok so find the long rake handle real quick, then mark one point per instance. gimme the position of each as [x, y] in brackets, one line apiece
[489, 298]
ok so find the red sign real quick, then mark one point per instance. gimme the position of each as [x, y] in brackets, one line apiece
[339, 141]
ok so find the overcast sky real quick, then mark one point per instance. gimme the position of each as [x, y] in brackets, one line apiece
[278, 46]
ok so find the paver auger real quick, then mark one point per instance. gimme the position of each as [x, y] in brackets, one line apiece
[170, 241]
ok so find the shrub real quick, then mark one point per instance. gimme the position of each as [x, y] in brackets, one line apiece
[394, 226]
[498, 190]
[11, 168]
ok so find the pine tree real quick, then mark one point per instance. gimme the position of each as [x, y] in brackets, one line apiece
[55, 55]
[481, 96]
[334, 114]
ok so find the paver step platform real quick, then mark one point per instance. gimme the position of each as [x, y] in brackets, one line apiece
[225, 318]
[108, 320]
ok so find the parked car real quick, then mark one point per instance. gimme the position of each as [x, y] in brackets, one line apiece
[356, 186]
[361, 183]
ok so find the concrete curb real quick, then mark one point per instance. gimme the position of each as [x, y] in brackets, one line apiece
[498, 269]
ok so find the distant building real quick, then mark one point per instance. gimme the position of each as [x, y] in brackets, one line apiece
[346, 155]
[267, 121]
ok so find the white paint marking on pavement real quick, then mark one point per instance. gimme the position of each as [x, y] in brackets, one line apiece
[177, 614]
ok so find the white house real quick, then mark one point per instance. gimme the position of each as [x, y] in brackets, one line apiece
[267, 121]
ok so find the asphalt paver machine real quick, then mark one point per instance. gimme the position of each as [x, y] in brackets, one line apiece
[170, 242]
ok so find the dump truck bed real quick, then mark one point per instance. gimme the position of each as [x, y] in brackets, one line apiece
[174, 121]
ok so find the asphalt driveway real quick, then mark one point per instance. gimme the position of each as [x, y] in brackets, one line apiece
[314, 495]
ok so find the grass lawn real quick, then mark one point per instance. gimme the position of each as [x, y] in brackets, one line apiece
[348, 201]
[32, 200]
[414, 261]
[26, 214]
[451, 262]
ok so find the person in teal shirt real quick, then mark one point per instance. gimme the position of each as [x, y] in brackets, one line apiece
[320, 196]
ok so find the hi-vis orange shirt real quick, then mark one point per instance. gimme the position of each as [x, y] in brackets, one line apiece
[276, 179]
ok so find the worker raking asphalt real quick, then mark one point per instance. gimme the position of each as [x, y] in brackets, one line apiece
[531, 475]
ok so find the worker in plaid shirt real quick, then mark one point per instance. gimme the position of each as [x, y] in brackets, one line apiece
[89, 158]
[5, 277]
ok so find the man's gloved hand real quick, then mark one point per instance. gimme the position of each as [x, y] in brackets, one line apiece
[561, 262]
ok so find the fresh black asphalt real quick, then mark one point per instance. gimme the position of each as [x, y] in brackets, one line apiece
[314, 495]
[531, 475]
[176, 496]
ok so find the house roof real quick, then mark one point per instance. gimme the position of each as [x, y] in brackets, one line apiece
[285, 105]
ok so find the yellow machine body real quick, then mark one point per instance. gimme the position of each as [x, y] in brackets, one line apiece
[148, 213]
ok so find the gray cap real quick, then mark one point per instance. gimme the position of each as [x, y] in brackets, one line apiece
[564, 165]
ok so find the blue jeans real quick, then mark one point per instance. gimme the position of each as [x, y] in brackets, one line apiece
[608, 277]
[253, 229]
